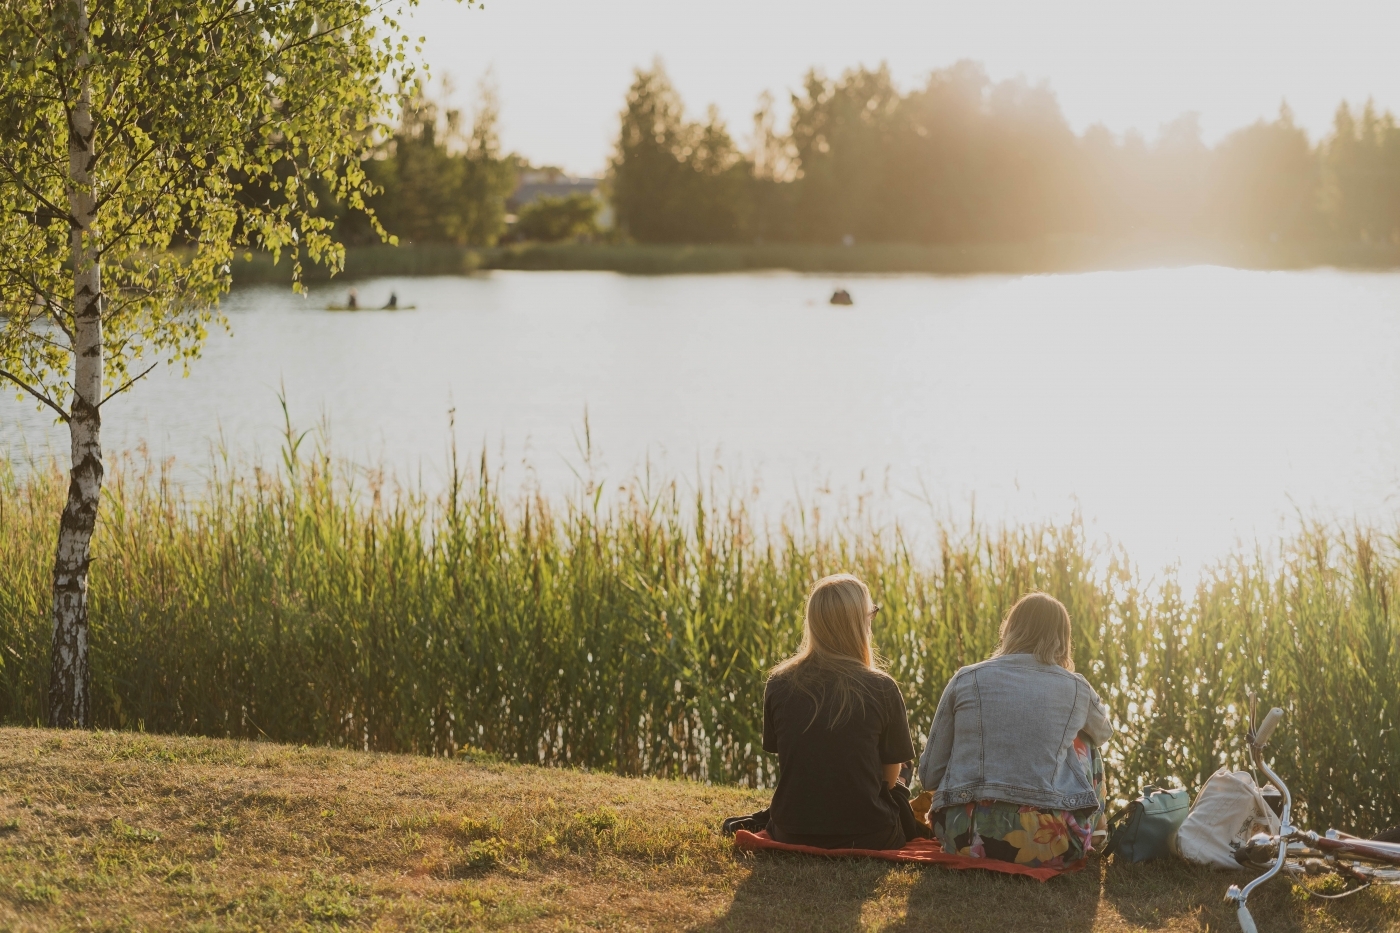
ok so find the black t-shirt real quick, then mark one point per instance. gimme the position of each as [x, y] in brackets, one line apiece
[829, 780]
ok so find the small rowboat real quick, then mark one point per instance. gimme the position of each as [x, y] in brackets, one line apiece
[371, 308]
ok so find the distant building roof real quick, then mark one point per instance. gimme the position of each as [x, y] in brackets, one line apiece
[549, 184]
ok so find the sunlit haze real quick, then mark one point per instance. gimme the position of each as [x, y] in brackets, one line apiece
[562, 66]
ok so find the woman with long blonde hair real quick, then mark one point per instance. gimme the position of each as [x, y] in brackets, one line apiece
[838, 725]
[1013, 755]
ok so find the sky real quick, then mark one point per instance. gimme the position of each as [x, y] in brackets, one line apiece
[562, 67]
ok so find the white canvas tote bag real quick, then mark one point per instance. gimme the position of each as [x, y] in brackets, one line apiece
[1228, 810]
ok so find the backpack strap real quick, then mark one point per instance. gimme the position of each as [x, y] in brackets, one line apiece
[1117, 826]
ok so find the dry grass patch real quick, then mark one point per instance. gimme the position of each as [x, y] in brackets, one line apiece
[116, 831]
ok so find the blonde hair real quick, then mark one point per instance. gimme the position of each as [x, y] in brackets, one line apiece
[1038, 624]
[835, 652]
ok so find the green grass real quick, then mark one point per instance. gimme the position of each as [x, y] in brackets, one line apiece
[122, 831]
[1063, 255]
[630, 632]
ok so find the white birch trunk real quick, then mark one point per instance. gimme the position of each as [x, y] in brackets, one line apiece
[69, 704]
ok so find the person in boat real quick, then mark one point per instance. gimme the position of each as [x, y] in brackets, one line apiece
[393, 301]
[838, 725]
[352, 300]
[1013, 754]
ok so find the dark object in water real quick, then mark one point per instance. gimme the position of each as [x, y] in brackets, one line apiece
[352, 300]
[842, 297]
[393, 302]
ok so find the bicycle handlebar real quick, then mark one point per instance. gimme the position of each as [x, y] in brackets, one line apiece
[1258, 738]
[1266, 728]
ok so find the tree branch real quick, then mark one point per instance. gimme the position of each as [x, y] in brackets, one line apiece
[128, 384]
[63, 415]
[58, 212]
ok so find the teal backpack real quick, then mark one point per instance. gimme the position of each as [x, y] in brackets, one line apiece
[1141, 830]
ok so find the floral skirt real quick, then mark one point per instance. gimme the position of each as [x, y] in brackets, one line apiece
[1025, 835]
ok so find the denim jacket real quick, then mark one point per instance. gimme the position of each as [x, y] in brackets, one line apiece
[1005, 730]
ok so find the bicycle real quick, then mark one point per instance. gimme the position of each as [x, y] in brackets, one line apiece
[1296, 852]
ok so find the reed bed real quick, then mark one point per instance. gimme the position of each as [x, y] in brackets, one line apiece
[630, 632]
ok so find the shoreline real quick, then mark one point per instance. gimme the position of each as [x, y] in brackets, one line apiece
[1060, 256]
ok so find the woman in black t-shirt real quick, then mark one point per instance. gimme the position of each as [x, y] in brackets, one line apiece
[839, 728]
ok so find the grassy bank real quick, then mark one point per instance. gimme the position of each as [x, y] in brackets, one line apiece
[1057, 256]
[119, 831]
[631, 632]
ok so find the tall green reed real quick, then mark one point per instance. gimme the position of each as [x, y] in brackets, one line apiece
[631, 632]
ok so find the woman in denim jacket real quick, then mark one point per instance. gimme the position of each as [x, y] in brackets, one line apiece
[1013, 754]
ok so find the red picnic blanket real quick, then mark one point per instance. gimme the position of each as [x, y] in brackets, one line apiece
[922, 851]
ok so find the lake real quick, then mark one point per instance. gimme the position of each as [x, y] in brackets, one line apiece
[1181, 411]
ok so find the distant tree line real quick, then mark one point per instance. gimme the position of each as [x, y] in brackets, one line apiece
[958, 160]
[963, 159]
[439, 179]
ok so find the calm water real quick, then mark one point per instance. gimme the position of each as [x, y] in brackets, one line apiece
[1182, 411]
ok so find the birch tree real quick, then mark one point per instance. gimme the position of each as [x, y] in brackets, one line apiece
[143, 143]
